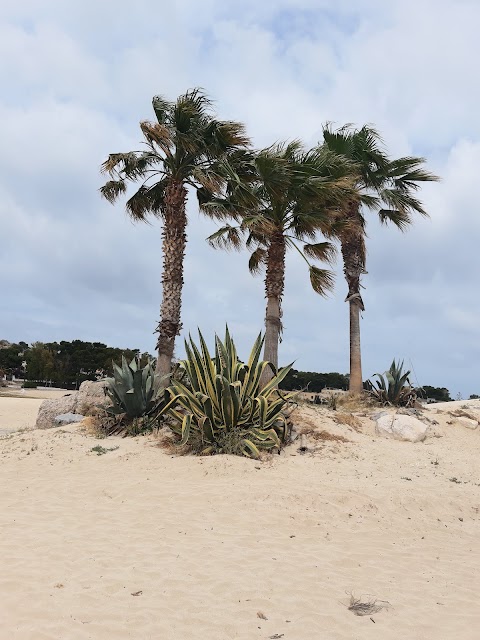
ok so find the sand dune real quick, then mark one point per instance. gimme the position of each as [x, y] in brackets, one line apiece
[139, 544]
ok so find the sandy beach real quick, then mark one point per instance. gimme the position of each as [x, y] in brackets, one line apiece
[140, 544]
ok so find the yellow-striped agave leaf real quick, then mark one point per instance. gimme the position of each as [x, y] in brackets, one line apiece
[219, 406]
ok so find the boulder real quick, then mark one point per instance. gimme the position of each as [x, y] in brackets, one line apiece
[83, 402]
[50, 409]
[470, 423]
[401, 427]
[90, 396]
[68, 418]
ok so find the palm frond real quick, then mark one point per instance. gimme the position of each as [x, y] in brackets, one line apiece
[257, 260]
[162, 108]
[324, 251]
[322, 280]
[407, 172]
[112, 163]
[225, 135]
[138, 206]
[273, 173]
[159, 134]
[226, 237]
[209, 180]
[362, 146]
[148, 199]
[189, 109]
[218, 208]
[402, 201]
[112, 189]
[401, 219]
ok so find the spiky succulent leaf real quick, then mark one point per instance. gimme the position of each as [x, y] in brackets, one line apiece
[134, 391]
[393, 387]
[227, 409]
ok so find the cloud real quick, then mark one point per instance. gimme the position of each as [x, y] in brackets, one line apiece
[80, 78]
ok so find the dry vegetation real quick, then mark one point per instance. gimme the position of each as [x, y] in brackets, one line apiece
[349, 419]
[324, 436]
[364, 607]
[356, 402]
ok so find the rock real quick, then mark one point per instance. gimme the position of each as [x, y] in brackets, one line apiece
[90, 396]
[380, 414]
[467, 422]
[50, 409]
[401, 427]
[68, 418]
[83, 402]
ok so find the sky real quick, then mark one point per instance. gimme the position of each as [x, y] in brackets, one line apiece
[76, 80]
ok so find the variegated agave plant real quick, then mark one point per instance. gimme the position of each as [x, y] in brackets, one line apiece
[135, 395]
[223, 409]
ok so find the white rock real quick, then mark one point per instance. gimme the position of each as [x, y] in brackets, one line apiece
[401, 427]
[467, 422]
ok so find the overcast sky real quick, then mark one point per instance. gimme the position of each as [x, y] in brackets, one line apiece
[76, 79]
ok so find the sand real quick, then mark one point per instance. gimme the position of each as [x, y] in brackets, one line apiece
[140, 544]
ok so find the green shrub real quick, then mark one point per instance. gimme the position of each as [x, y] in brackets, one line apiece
[29, 384]
[136, 397]
[393, 387]
[222, 408]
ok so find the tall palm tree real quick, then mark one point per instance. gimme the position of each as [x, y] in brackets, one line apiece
[287, 204]
[384, 186]
[186, 146]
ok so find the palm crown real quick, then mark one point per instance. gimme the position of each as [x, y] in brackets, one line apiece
[386, 185]
[292, 193]
[186, 145]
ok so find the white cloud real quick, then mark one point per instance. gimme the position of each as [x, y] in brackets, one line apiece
[81, 76]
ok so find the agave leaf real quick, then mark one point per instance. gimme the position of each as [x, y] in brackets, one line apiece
[187, 421]
[208, 370]
[249, 449]
[276, 380]
[393, 386]
[205, 425]
[226, 408]
[262, 411]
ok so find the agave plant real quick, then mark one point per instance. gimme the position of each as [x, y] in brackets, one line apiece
[135, 394]
[393, 387]
[223, 409]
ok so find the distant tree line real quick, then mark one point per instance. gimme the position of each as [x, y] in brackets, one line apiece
[61, 364]
[440, 394]
[314, 382]
[68, 364]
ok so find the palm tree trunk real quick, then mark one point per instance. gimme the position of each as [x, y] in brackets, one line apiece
[174, 240]
[274, 285]
[356, 380]
[354, 255]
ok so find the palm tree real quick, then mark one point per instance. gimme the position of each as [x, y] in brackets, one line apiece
[186, 146]
[385, 186]
[287, 204]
